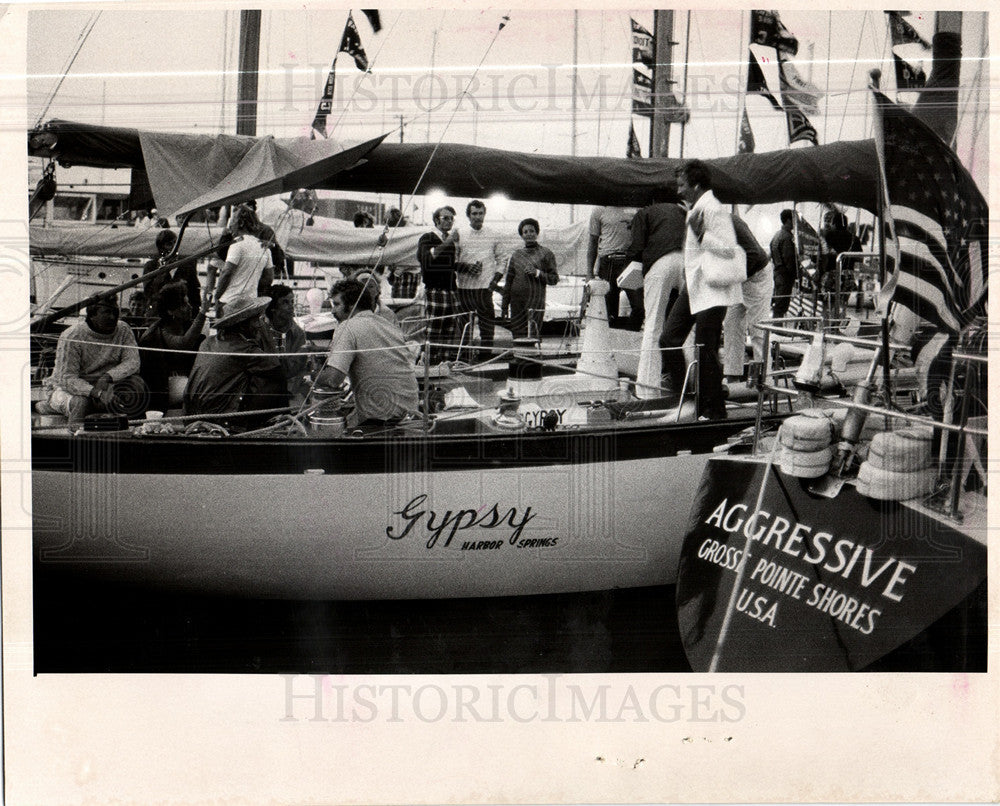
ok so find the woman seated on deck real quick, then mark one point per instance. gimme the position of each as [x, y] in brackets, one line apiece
[175, 337]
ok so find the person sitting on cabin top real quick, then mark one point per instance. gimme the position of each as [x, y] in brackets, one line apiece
[373, 354]
[186, 272]
[236, 369]
[171, 342]
[96, 369]
[529, 270]
[438, 253]
[248, 262]
[289, 339]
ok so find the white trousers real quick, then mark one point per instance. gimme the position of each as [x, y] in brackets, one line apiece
[745, 315]
[664, 276]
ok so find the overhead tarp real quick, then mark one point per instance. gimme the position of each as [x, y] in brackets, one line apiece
[329, 241]
[842, 173]
[94, 240]
[188, 173]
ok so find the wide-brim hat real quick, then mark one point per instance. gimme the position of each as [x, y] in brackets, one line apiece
[240, 309]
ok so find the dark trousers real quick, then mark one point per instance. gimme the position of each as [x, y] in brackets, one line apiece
[480, 302]
[608, 268]
[707, 334]
[782, 293]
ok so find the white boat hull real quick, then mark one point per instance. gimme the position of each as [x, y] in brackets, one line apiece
[458, 533]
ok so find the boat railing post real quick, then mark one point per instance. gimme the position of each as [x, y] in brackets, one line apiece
[761, 388]
[956, 473]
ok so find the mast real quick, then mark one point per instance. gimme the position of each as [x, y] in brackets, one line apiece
[663, 65]
[246, 91]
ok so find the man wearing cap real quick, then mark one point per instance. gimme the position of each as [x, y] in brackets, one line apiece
[237, 369]
[97, 368]
[373, 353]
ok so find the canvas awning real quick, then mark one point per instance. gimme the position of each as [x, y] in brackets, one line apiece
[231, 169]
[838, 173]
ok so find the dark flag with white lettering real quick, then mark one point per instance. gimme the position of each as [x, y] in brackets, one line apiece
[747, 143]
[799, 127]
[634, 150]
[940, 220]
[350, 43]
[642, 45]
[767, 29]
[813, 584]
[909, 76]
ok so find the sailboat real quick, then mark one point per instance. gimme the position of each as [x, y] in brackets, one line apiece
[572, 491]
[821, 550]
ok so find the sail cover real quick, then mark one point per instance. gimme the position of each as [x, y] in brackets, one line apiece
[229, 169]
[842, 173]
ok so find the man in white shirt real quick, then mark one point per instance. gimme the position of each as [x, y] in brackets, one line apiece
[478, 271]
[709, 248]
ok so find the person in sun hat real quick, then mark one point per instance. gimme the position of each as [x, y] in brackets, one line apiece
[237, 370]
[96, 368]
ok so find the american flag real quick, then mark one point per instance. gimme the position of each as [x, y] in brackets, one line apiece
[940, 220]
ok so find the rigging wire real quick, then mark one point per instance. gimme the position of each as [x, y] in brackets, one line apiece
[84, 35]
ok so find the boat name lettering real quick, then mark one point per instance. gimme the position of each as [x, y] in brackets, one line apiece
[539, 415]
[836, 556]
[414, 513]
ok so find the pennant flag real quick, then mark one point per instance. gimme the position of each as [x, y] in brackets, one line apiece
[902, 33]
[350, 43]
[908, 75]
[642, 45]
[799, 127]
[768, 30]
[758, 84]
[747, 143]
[642, 94]
[634, 150]
[797, 90]
[374, 19]
[939, 219]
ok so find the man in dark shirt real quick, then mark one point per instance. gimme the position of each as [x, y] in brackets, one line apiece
[438, 252]
[237, 369]
[785, 264]
[186, 272]
[657, 243]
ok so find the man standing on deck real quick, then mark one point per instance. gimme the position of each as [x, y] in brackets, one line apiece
[610, 236]
[709, 251]
[657, 243]
[438, 252]
[478, 272]
[186, 272]
[785, 264]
